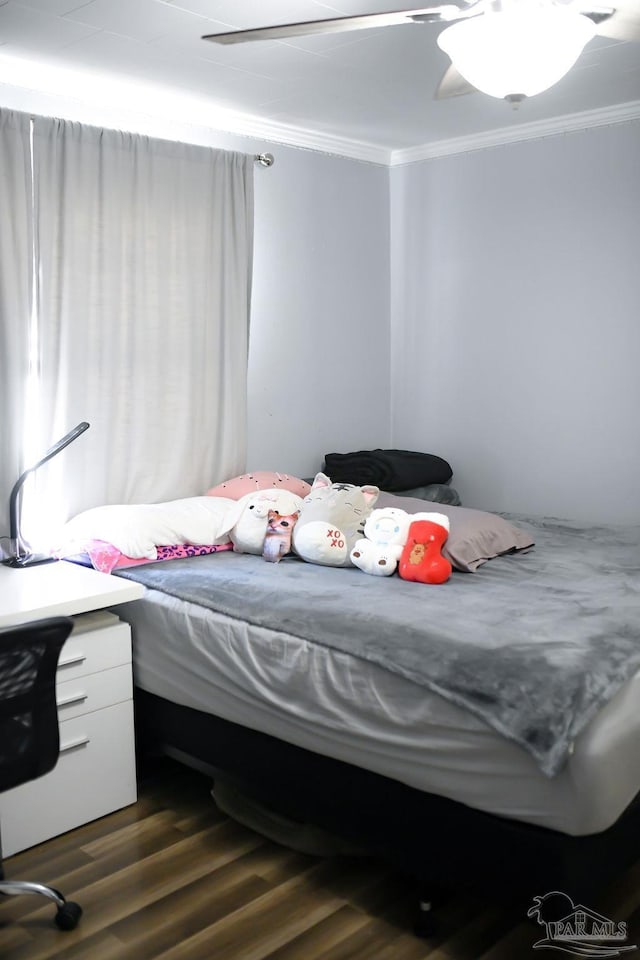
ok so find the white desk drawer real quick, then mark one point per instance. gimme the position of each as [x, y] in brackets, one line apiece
[97, 642]
[94, 776]
[93, 692]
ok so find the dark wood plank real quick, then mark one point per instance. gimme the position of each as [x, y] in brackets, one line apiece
[172, 878]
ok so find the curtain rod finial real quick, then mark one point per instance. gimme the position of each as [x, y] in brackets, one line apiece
[264, 159]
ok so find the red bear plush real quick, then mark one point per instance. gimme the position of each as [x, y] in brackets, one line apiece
[421, 557]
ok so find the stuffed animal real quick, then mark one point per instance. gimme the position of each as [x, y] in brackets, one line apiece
[331, 519]
[251, 517]
[277, 540]
[421, 558]
[385, 533]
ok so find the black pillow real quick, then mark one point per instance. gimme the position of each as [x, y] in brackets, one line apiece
[391, 470]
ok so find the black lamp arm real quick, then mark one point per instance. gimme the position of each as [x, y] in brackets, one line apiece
[14, 523]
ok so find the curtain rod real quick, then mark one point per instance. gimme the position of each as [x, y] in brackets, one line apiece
[264, 159]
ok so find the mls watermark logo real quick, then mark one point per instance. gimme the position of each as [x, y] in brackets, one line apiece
[576, 929]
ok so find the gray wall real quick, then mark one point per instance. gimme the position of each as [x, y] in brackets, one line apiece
[319, 359]
[515, 321]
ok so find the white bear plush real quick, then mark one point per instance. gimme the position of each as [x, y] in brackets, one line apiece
[252, 515]
[385, 534]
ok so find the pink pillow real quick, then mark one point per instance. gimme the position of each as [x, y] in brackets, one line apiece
[259, 480]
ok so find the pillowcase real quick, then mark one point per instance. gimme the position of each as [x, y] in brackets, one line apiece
[259, 480]
[435, 492]
[475, 536]
[137, 529]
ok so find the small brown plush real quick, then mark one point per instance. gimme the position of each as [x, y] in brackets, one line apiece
[277, 540]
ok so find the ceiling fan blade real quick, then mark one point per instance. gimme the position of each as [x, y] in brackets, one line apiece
[453, 84]
[624, 22]
[437, 12]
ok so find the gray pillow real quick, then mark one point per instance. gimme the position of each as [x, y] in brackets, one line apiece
[436, 492]
[475, 536]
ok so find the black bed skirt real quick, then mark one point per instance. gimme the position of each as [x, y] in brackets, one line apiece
[438, 841]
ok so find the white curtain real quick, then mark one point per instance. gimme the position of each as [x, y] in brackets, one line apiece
[145, 251]
[15, 298]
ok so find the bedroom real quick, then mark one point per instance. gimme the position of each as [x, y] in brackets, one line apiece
[492, 292]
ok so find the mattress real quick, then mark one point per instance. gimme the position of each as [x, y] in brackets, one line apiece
[358, 712]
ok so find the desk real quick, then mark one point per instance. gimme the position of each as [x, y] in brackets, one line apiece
[95, 774]
[58, 589]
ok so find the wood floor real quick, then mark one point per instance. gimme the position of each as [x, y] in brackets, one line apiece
[172, 877]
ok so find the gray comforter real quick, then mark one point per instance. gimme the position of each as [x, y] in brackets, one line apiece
[533, 643]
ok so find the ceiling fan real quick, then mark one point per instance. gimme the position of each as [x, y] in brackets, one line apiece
[505, 48]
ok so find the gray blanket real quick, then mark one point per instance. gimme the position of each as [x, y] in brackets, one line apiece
[534, 643]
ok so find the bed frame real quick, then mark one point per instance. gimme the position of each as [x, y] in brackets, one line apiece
[443, 844]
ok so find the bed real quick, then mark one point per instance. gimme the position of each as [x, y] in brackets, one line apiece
[481, 731]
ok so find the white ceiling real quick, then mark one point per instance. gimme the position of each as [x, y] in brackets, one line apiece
[374, 87]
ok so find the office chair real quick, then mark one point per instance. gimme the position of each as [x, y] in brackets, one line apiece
[29, 736]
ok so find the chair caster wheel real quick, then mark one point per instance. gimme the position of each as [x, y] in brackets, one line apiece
[425, 924]
[68, 915]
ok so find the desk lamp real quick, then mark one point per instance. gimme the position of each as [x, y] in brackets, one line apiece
[20, 553]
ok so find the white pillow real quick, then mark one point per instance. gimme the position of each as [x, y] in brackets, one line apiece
[137, 529]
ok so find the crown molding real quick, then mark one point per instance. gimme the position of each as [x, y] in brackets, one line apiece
[18, 76]
[302, 138]
[22, 79]
[290, 135]
[620, 113]
[356, 150]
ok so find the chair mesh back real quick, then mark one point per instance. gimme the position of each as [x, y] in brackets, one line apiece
[29, 741]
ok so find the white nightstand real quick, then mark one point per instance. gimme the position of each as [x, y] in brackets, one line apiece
[96, 770]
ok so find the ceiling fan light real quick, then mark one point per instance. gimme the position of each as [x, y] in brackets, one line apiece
[518, 51]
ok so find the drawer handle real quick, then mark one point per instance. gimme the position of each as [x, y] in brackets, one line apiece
[73, 660]
[73, 744]
[72, 698]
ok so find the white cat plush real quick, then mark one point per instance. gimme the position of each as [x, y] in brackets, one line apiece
[331, 519]
[385, 534]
